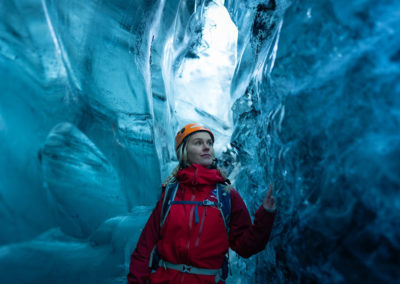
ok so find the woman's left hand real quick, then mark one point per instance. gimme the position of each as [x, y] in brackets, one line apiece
[269, 202]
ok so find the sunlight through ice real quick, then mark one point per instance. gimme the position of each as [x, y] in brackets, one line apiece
[202, 85]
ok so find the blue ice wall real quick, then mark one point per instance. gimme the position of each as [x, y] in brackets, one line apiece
[323, 128]
[88, 112]
[80, 169]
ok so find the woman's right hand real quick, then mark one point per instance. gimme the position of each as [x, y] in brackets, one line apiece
[269, 201]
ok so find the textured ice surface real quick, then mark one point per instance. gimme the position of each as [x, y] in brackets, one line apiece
[92, 93]
[202, 81]
[81, 183]
[323, 128]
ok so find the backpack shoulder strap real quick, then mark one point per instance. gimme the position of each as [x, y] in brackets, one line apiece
[169, 196]
[224, 199]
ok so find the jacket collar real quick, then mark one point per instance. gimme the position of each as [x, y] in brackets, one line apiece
[198, 175]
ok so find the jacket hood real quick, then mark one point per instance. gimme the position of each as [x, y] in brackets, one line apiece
[198, 175]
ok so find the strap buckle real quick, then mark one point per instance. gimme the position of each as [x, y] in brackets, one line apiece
[208, 203]
[212, 203]
[186, 268]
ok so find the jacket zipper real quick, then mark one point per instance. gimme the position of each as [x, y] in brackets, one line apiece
[188, 237]
[201, 227]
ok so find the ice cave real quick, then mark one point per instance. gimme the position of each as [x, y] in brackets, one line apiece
[301, 95]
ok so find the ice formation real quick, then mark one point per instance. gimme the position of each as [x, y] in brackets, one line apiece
[302, 95]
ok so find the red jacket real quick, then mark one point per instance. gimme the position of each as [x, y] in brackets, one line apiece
[183, 241]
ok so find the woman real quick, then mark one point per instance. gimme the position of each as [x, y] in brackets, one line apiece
[191, 239]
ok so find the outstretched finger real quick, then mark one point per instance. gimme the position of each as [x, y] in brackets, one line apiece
[269, 193]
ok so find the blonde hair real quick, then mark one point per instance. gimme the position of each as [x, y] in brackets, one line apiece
[181, 154]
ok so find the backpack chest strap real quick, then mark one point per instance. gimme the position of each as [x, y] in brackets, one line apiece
[198, 203]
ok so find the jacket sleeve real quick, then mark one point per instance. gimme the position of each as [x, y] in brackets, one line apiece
[244, 237]
[139, 270]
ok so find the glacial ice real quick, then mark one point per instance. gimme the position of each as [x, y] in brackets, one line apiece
[79, 181]
[303, 95]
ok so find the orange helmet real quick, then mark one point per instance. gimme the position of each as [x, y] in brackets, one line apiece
[187, 130]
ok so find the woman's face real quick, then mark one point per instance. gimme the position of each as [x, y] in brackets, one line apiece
[200, 149]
